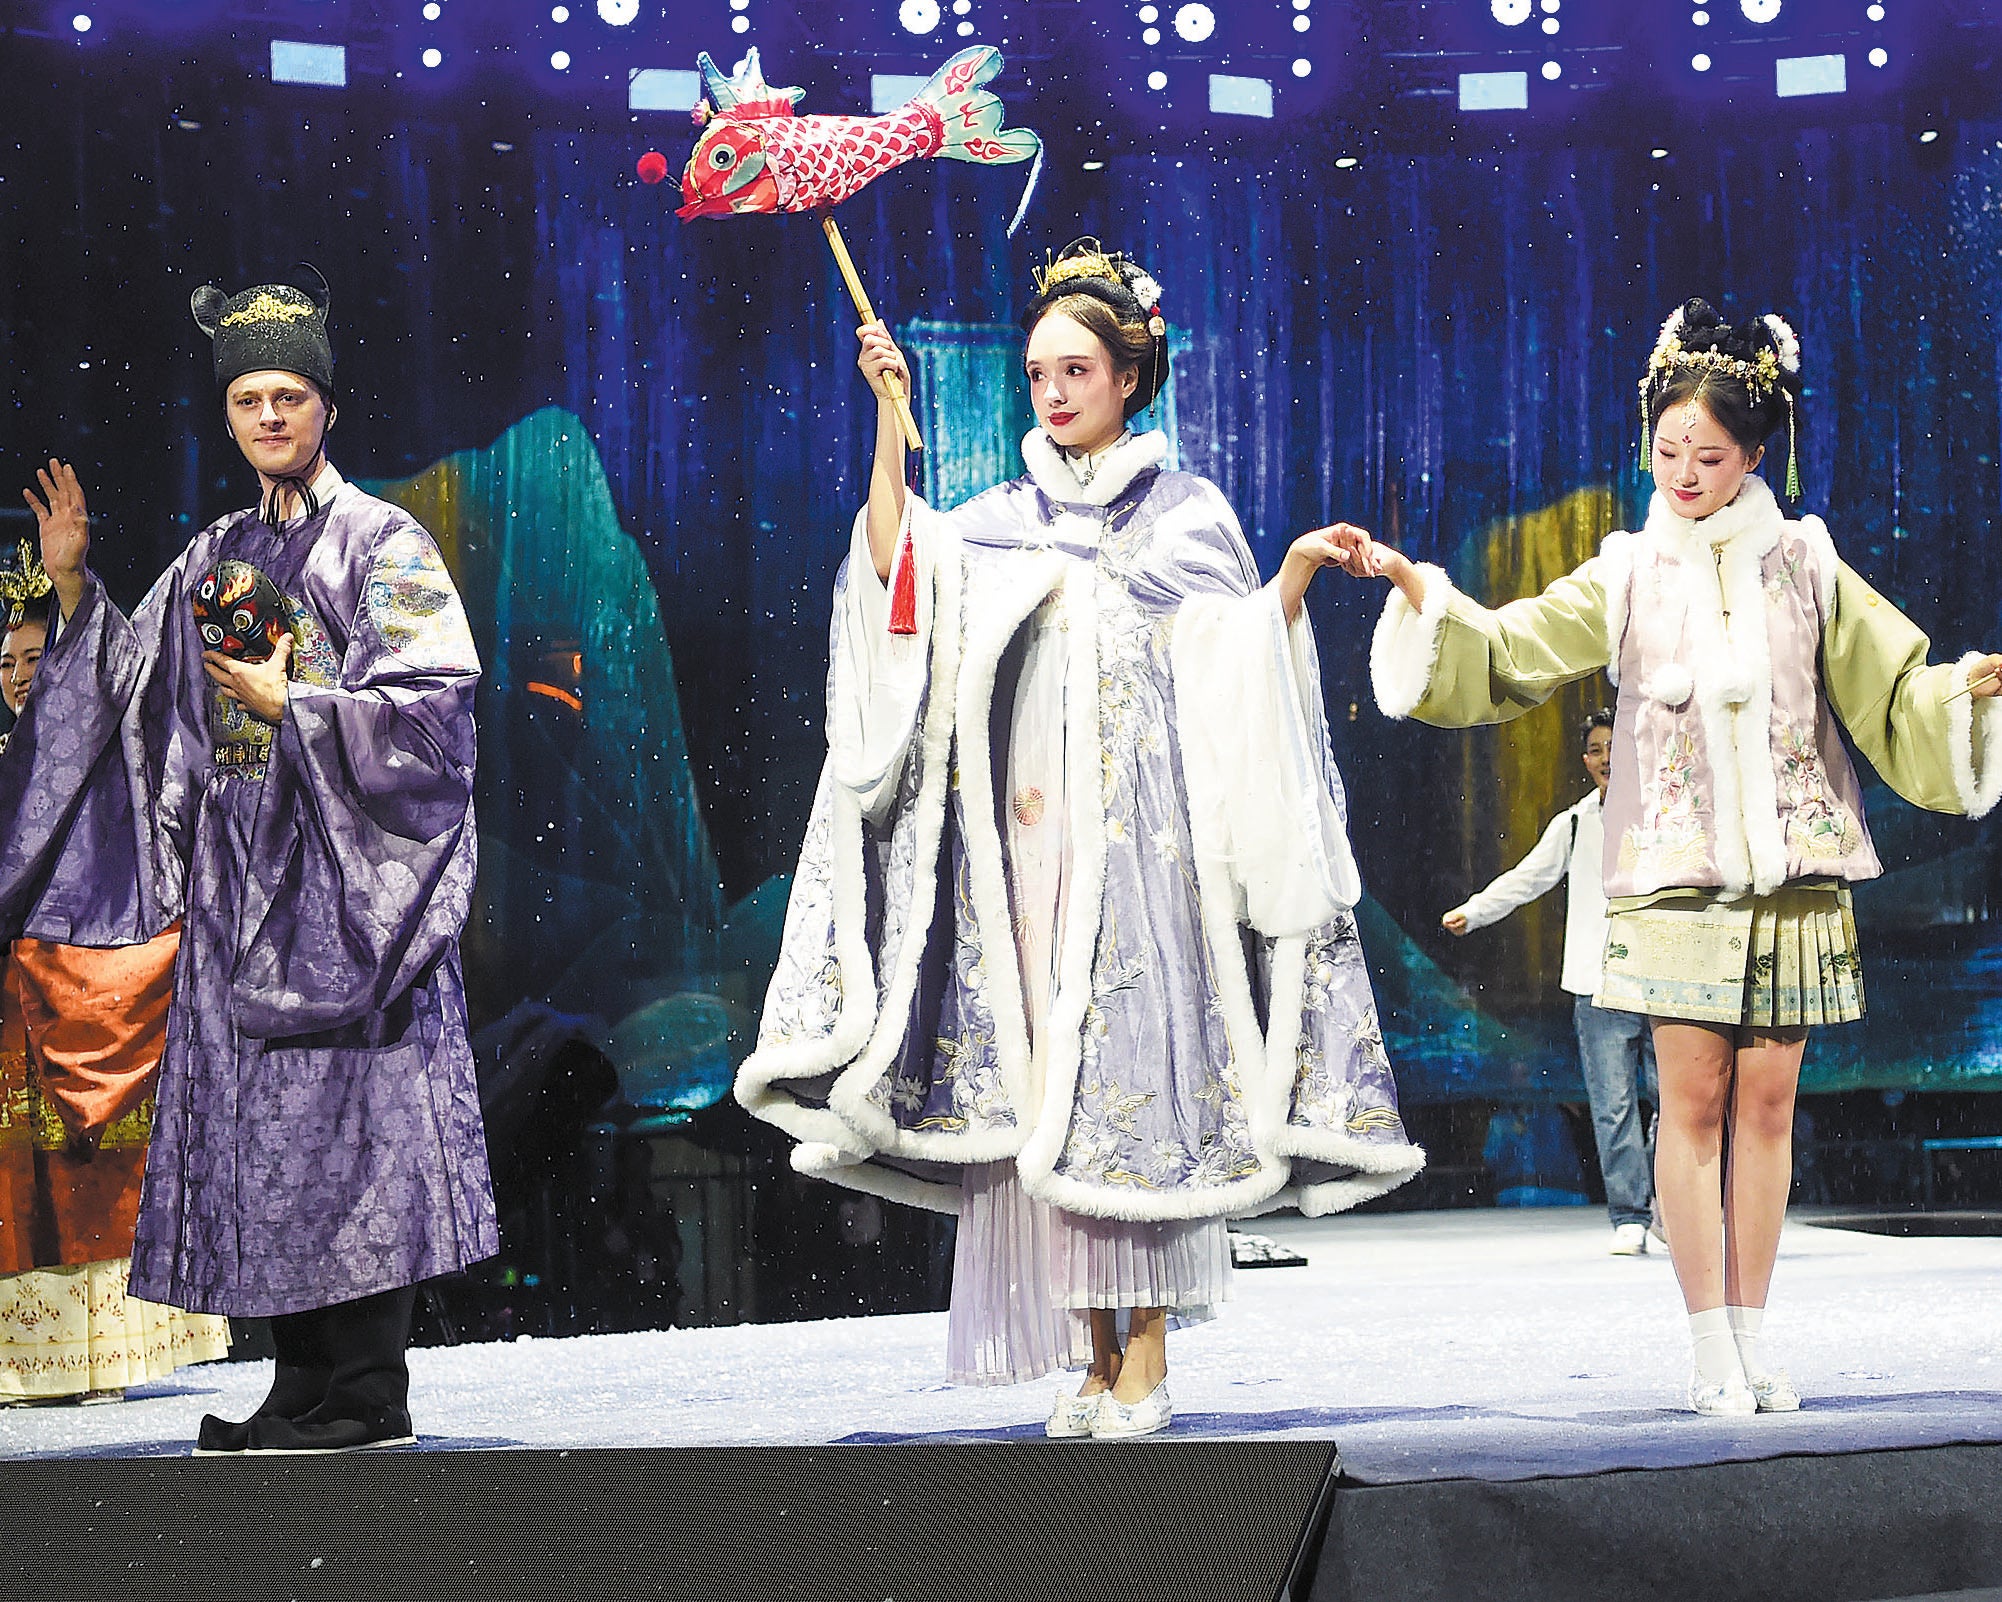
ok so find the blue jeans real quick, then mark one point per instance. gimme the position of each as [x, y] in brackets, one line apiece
[1616, 1050]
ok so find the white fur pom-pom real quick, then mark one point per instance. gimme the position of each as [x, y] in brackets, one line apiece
[1787, 340]
[1145, 290]
[1671, 326]
[1671, 685]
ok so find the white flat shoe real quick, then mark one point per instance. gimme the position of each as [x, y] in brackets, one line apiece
[1731, 1399]
[1629, 1240]
[1774, 1393]
[1072, 1416]
[1117, 1421]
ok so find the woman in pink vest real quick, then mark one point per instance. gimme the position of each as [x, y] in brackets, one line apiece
[1734, 822]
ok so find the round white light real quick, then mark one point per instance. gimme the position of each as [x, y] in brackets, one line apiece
[965, 30]
[1552, 7]
[432, 57]
[1700, 62]
[1302, 23]
[1510, 13]
[1880, 57]
[740, 24]
[559, 13]
[1094, 166]
[1157, 80]
[1759, 10]
[1149, 14]
[1928, 136]
[1345, 162]
[618, 12]
[918, 16]
[961, 7]
[1302, 66]
[433, 11]
[560, 61]
[1701, 19]
[1152, 36]
[1549, 24]
[80, 22]
[1552, 72]
[1874, 13]
[1195, 23]
[1301, 5]
[1658, 153]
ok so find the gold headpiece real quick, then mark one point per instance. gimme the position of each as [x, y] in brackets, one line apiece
[25, 582]
[265, 307]
[1760, 375]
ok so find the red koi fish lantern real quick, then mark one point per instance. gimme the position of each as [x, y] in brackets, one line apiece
[238, 611]
[758, 155]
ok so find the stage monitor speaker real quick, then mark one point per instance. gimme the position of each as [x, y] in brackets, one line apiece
[1174, 1519]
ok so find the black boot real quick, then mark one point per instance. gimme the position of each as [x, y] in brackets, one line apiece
[367, 1400]
[298, 1385]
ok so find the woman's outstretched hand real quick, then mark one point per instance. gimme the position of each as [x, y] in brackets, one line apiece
[64, 523]
[1341, 545]
[880, 359]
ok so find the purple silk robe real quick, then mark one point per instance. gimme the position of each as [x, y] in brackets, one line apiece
[318, 1135]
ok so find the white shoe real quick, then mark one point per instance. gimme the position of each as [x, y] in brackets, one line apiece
[1732, 1398]
[1629, 1240]
[1774, 1393]
[1117, 1421]
[1072, 1416]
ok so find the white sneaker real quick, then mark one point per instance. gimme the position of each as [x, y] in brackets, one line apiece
[1774, 1393]
[1732, 1398]
[1117, 1421]
[1072, 1416]
[1629, 1240]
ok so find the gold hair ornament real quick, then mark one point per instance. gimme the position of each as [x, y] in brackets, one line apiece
[27, 581]
[1761, 376]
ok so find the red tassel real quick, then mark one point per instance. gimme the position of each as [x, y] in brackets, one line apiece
[904, 602]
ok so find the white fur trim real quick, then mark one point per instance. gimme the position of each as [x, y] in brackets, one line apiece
[1616, 572]
[1671, 685]
[1002, 610]
[819, 1161]
[1974, 742]
[1405, 648]
[1117, 469]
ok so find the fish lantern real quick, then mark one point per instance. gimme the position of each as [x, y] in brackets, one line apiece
[757, 155]
[239, 612]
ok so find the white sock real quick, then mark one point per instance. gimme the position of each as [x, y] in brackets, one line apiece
[1745, 1322]
[1716, 1350]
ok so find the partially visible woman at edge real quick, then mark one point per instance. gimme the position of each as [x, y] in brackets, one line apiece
[1734, 821]
[1069, 951]
[81, 1033]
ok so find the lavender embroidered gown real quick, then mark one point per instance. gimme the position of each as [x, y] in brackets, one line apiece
[318, 1133]
[1069, 950]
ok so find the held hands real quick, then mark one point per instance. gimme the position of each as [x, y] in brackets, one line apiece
[257, 687]
[1342, 545]
[880, 359]
[64, 523]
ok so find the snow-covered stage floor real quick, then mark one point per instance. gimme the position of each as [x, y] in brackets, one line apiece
[1487, 1345]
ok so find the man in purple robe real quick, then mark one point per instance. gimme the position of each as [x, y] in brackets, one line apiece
[318, 1150]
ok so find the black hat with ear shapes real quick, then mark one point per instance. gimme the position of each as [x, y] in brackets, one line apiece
[269, 327]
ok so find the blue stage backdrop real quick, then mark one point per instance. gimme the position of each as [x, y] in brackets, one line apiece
[641, 444]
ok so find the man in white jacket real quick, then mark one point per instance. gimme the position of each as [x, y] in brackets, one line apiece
[1614, 1048]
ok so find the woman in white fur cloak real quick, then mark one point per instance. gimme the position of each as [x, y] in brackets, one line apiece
[1734, 821]
[1070, 952]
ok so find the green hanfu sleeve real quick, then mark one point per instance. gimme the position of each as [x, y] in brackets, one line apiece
[1455, 663]
[1941, 754]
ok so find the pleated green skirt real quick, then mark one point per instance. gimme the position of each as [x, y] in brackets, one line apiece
[1778, 961]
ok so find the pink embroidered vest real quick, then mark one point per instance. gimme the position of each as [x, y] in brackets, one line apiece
[1728, 770]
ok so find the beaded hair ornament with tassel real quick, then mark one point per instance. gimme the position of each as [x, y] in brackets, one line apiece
[1762, 355]
[23, 584]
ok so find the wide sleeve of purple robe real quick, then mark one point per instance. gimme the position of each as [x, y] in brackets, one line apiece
[365, 842]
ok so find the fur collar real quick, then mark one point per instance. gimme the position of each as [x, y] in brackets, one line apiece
[1751, 525]
[1117, 469]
